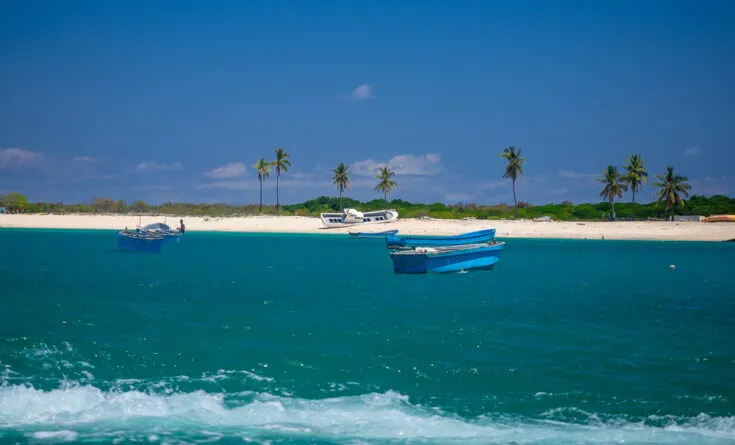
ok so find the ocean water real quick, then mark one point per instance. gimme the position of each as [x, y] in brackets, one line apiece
[272, 339]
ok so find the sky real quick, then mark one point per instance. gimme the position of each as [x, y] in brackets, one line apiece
[175, 101]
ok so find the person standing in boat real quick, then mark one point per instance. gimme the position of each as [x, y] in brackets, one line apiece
[182, 229]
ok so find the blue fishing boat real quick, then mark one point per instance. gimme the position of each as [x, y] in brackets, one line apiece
[139, 241]
[404, 242]
[446, 259]
[374, 234]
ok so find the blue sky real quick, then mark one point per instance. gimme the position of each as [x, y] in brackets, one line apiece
[177, 100]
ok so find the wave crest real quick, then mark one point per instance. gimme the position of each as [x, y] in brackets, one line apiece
[85, 412]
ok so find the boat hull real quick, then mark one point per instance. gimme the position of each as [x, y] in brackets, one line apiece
[169, 238]
[350, 218]
[719, 218]
[404, 242]
[447, 260]
[139, 243]
[374, 234]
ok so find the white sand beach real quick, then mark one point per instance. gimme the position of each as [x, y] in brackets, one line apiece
[679, 231]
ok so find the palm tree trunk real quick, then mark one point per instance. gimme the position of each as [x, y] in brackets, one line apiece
[612, 203]
[278, 201]
[340, 198]
[260, 209]
[515, 202]
[634, 203]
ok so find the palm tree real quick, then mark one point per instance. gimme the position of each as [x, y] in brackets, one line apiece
[672, 189]
[341, 179]
[513, 169]
[281, 164]
[264, 170]
[614, 186]
[635, 175]
[385, 183]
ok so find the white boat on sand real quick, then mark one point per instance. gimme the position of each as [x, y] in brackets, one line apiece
[351, 217]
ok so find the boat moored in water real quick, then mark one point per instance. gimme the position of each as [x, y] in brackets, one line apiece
[374, 234]
[351, 217]
[410, 241]
[446, 259]
[139, 241]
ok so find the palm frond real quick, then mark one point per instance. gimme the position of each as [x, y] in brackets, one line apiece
[614, 184]
[514, 166]
[282, 162]
[341, 177]
[673, 189]
[264, 168]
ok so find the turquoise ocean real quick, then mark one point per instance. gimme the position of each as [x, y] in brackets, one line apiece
[312, 339]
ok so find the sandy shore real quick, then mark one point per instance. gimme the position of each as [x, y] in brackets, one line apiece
[681, 231]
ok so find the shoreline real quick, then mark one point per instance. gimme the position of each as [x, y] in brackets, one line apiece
[638, 230]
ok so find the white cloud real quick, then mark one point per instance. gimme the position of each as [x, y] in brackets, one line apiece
[363, 91]
[231, 170]
[17, 157]
[721, 185]
[308, 176]
[232, 185]
[576, 175]
[153, 167]
[458, 197]
[84, 159]
[490, 185]
[254, 184]
[692, 151]
[95, 177]
[148, 188]
[429, 164]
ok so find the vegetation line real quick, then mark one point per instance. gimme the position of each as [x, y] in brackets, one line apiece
[565, 211]
[673, 190]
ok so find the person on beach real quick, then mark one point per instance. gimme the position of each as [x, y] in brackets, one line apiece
[182, 229]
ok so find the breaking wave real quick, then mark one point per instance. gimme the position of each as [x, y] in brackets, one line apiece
[82, 413]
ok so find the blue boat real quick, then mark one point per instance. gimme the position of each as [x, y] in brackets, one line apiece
[139, 242]
[374, 234]
[446, 259]
[405, 242]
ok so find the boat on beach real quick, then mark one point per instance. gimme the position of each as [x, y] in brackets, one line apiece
[139, 241]
[374, 234]
[410, 241]
[446, 259]
[351, 217]
[719, 218]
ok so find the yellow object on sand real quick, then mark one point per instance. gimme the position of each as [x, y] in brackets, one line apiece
[719, 218]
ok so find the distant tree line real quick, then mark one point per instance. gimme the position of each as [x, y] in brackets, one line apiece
[672, 190]
[563, 211]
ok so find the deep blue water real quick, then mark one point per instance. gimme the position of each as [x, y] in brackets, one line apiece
[312, 339]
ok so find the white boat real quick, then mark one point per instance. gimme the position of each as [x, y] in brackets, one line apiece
[164, 230]
[351, 217]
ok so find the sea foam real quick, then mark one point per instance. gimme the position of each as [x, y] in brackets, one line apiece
[86, 412]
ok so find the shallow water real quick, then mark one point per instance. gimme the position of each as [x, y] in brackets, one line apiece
[312, 339]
